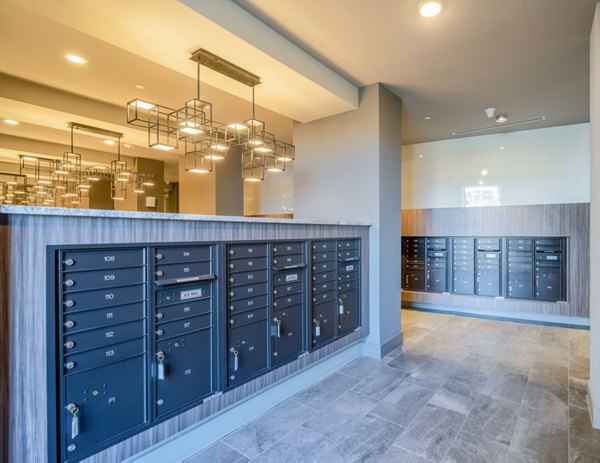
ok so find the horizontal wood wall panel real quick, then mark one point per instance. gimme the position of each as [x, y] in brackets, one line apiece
[570, 220]
[23, 315]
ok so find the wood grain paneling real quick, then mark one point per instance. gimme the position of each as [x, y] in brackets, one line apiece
[4, 339]
[570, 220]
[25, 306]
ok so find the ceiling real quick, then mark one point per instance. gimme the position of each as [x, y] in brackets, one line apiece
[527, 58]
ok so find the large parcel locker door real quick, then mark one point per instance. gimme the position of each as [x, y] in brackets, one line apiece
[549, 278]
[488, 282]
[287, 334]
[247, 351]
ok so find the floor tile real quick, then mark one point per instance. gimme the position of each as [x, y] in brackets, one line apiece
[217, 453]
[579, 367]
[507, 386]
[361, 368]
[381, 382]
[432, 432]
[494, 419]
[404, 403]
[578, 392]
[409, 360]
[541, 441]
[458, 393]
[468, 448]
[432, 374]
[300, 446]
[540, 402]
[325, 391]
[258, 435]
[584, 441]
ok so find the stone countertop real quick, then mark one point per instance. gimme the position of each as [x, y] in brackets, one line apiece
[99, 213]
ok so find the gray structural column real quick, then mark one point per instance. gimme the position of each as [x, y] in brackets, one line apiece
[594, 384]
[348, 167]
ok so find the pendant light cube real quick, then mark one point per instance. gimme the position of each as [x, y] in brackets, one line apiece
[197, 163]
[195, 118]
[163, 133]
[285, 151]
[274, 163]
[139, 185]
[118, 191]
[139, 113]
[253, 165]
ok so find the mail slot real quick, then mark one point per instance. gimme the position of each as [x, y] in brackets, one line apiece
[348, 285]
[348, 276]
[323, 297]
[183, 310]
[248, 304]
[184, 254]
[113, 334]
[348, 244]
[104, 298]
[323, 257]
[74, 363]
[110, 400]
[351, 254]
[323, 245]
[183, 271]
[244, 265]
[286, 335]
[283, 249]
[246, 278]
[186, 293]
[437, 254]
[184, 326]
[102, 259]
[285, 290]
[348, 267]
[98, 279]
[547, 257]
[288, 301]
[322, 287]
[81, 321]
[520, 245]
[291, 261]
[245, 318]
[247, 351]
[243, 292]
[187, 371]
[236, 251]
[324, 267]
[321, 277]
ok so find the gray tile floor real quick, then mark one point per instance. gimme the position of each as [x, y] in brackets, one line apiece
[459, 390]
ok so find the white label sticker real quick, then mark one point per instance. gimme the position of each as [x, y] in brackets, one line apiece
[490, 255]
[190, 294]
[292, 277]
[349, 268]
[551, 257]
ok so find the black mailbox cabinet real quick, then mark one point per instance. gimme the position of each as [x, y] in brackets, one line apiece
[463, 265]
[413, 262]
[140, 333]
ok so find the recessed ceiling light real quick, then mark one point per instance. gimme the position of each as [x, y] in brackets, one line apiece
[139, 86]
[11, 122]
[76, 59]
[427, 118]
[110, 142]
[500, 118]
[502, 147]
[481, 182]
[484, 172]
[421, 156]
[429, 8]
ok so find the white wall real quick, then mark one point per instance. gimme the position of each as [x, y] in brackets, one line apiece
[274, 195]
[541, 166]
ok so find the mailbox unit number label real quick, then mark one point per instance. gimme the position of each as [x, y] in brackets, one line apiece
[190, 294]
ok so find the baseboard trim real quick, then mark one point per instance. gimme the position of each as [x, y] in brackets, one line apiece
[532, 318]
[195, 438]
[381, 350]
[592, 408]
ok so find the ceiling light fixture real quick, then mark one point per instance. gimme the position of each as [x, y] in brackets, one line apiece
[484, 172]
[490, 112]
[430, 8]
[501, 118]
[109, 142]
[76, 59]
[139, 86]
[11, 122]
[427, 118]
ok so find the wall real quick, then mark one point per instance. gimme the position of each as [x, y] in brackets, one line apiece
[157, 168]
[275, 195]
[541, 166]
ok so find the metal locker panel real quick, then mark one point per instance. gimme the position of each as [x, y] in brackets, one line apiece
[488, 283]
[464, 282]
[347, 267]
[347, 311]
[437, 280]
[246, 265]
[288, 301]
[323, 287]
[248, 304]
[287, 290]
[183, 326]
[112, 334]
[290, 261]
[323, 322]
[324, 267]
[98, 279]
[348, 285]
[103, 259]
[323, 297]
[324, 276]
[110, 401]
[328, 245]
[287, 277]
[246, 318]
[183, 254]
[548, 285]
[345, 277]
[80, 321]
[348, 244]
[244, 292]
[323, 256]
[247, 250]
[74, 363]
[286, 334]
[184, 270]
[520, 283]
[246, 278]
[348, 255]
[414, 280]
[249, 344]
[282, 249]
[184, 310]
[188, 373]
